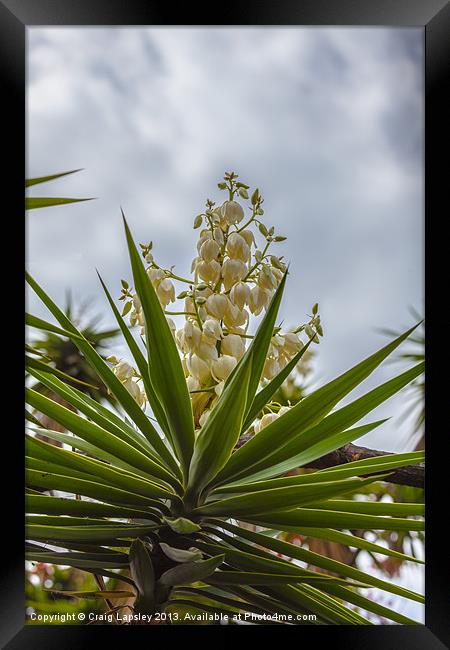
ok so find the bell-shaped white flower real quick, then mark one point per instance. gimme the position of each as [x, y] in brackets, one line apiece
[184, 365]
[218, 388]
[171, 324]
[283, 410]
[189, 337]
[198, 368]
[258, 299]
[235, 317]
[237, 248]
[193, 383]
[218, 236]
[123, 370]
[278, 340]
[209, 271]
[156, 276]
[282, 361]
[239, 294]
[232, 272]
[204, 236]
[194, 263]
[212, 329]
[222, 368]
[189, 305]
[166, 292]
[133, 317]
[137, 303]
[266, 279]
[292, 344]
[207, 351]
[216, 215]
[266, 419]
[134, 390]
[209, 250]
[233, 345]
[217, 305]
[204, 417]
[232, 212]
[271, 368]
[277, 274]
[248, 236]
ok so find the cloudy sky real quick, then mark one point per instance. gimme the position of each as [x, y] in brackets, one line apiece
[327, 122]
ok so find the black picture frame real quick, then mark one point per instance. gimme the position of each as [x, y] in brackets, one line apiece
[434, 17]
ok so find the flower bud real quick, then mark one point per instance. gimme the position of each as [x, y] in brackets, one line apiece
[309, 331]
[239, 294]
[137, 303]
[232, 212]
[203, 291]
[232, 272]
[233, 345]
[209, 250]
[237, 247]
[217, 305]
[222, 368]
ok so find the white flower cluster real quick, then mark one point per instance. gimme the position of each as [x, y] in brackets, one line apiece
[232, 280]
[127, 374]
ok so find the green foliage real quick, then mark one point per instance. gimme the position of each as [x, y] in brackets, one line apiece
[172, 504]
[33, 202]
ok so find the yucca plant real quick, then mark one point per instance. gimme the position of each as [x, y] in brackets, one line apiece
[167, 499]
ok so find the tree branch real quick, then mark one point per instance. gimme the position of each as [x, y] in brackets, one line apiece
[413, 475]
